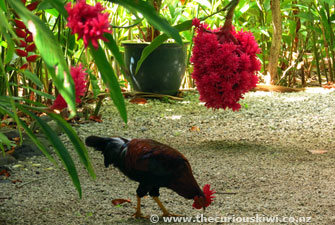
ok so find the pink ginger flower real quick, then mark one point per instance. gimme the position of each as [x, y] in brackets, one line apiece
[224, 70]
[88, 22]
[78, 75]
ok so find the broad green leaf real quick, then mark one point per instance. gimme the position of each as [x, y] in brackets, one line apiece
[59, 5]
[53, 12]
[50, 52]
[33, 78]
[59, 148]
[149, 49]
[4, 29]
[205, 3]
[109, 78]
[95, 86]
[77, 143]
[306, 16]
[4, 104]
[111, 44]
[41, 93]
[10, 48]
[4, 26]
[3, 5]
[158, 41]
[151, 15]
[5, 140]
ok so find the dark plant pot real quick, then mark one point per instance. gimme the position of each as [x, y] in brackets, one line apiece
[162, 71]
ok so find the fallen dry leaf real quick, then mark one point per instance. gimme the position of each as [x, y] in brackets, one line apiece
[16, 181]
[17, 139]
[5, 173]
[195, 128]
[119, 201]
[138, 101]
[96, 118]
[318, 151]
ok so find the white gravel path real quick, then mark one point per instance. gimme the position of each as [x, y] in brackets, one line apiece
[260, 153]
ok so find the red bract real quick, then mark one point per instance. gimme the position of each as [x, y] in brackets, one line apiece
[32, 58]
[31, 48]
[78, 75]
[23, 1]
[20, 33]
[19, 24]
[29, 38]
[223, 72]
[21, 53]
[24, 66]
[32, 6]
[21, 43]
[88, 22]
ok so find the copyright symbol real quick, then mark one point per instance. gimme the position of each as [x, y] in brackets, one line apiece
[154, 218]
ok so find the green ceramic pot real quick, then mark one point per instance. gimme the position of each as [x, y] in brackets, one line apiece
[162, 71]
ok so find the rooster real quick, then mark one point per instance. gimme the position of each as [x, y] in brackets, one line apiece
[153, 165]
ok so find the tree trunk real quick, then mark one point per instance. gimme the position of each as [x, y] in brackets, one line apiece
[275, 44]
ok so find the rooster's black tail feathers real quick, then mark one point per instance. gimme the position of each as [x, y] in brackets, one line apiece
[98, 143]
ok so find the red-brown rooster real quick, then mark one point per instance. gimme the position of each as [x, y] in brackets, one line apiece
[153, 165]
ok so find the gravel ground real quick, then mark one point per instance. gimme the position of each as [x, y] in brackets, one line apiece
[260, 155]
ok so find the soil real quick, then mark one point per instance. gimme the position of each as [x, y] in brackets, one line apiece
[258, 160]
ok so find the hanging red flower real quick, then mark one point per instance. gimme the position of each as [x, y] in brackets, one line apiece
[225, 65]
[20, 33]
[19, 24]
[78, 75]
[21, 43]
[31, 48]
[29, 38]
[88, 22]
[32, 58]
[21, 53]
[24, 66]
[33, 6]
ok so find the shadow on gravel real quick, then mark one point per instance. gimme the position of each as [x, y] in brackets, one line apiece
[236, 146]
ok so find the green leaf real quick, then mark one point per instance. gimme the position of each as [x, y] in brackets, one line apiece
[50, 52]
[10, 48]
[33, 78]
[4, 26]
[59, 148]
[4, 104]
[111, 44]
[158, 41]
[205, 3]
[149, 49]
[59, 5]
[306, 16]
[41, 93]
[4, 29]
[95, 86]
[77, 143]
[109, 78]
[5, 140]
[3, 5]
[151, 15]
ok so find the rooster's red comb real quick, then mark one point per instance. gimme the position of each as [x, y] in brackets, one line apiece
[208, 194]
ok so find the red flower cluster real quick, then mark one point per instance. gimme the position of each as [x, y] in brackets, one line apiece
[26, 47]
[223, 72]
[88, 22]
[78, 75]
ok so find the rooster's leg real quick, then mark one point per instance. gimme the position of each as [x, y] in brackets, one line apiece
[164, 210]
[138, 213]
